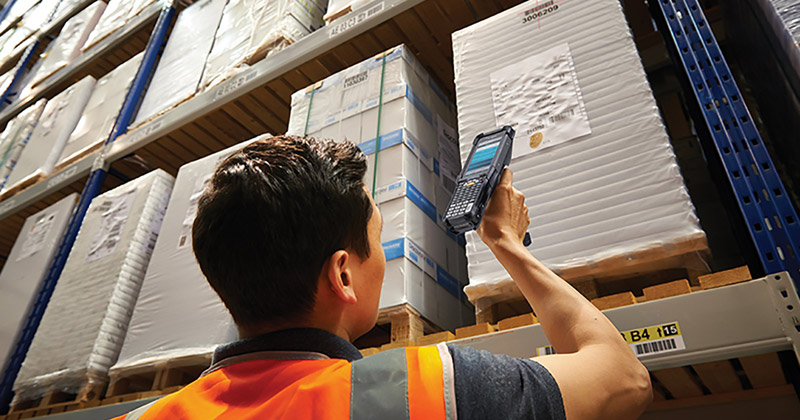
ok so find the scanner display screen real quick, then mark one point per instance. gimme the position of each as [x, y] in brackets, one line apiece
[482, 158]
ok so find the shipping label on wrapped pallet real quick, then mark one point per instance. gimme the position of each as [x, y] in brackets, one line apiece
[84, 325]
[591, 155]
[26, 268]
[178, 314]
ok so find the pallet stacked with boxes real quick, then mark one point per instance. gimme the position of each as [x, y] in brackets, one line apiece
[410, 167]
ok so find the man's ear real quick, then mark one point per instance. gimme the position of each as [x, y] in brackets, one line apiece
[339, 275]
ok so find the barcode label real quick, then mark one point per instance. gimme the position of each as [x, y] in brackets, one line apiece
[562, 116]
[235, 84]
[544, 351]
[355, 19]
[655, 346]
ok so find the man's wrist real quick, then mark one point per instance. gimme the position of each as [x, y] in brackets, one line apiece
[507, 246]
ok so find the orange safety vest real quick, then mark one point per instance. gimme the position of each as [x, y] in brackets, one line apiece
[412, 383]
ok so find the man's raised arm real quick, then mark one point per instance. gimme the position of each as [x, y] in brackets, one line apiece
[596, 371]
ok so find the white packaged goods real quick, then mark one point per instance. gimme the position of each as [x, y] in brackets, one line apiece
[26, 267]
[18, 9]
[15, 137]
[178, 313]
[339, 8]
[116, 15]
[783, 17]
[59, 118]
[181, 66]
[591, 153]
[67, 46]
[83, 327]
[101, 111]
[66, 7]
[252, 29]
[416, 165]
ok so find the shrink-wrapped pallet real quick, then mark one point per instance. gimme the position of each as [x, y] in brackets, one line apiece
[101, 111]
[180, 68]
[116, 15]
[591, 153]
[339, 8]
[26, 268]
[18, 9]
[83, 327]
[417, 162]
[16, 136]
[178, 313]
[252, 29]
[67, 46]
[59, 118]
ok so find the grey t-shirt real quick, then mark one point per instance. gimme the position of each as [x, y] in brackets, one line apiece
[490, 386]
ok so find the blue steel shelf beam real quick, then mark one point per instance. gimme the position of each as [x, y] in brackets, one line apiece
[128, 111]
[771, 219]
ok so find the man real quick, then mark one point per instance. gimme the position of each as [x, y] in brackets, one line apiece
[288, 236]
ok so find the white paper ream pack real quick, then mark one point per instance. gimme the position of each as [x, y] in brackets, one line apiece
[26, 268]
[15, 138]
[181, 66]
[113, 18]
[36, 17]
[591, 153]
[101, 111]
[83, 327]
[67, 46]
[59, 118]
[252, 29]
[178, 314]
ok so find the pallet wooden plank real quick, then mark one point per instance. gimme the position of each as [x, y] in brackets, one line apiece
[719, 377]
[678, 382]
[587, 286]
[708, 400]
[763, 370]
[517, 321]
[661, 291]
[614, 301]
[724, 278]
[435, 338]
[473, 330]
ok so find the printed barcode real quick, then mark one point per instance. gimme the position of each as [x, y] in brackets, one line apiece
[656, 346]
[562, 116]
[549, 350]
[374, 10]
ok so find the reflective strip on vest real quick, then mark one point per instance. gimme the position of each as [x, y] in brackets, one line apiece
[448, 374]
[135, 414]
[376, 384]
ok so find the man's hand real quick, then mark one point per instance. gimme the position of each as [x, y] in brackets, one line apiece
[505, 220]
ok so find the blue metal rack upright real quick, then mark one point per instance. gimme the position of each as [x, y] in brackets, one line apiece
[155, 45]
[771, 220]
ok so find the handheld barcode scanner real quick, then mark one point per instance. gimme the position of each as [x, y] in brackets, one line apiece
[490, 154]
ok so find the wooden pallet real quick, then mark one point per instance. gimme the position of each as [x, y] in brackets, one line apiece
[77, 156]
[333, 16]
[56, 401]
[406, 328]
[20, 186]
[154, 379]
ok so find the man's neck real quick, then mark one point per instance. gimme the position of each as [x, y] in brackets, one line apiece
[266, 328]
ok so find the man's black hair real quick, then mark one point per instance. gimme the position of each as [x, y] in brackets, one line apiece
[269, 218]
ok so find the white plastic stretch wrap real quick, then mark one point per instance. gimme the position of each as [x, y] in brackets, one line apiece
[33, 20]
[783, 16]
[16, 136]
[178, 313]
[101, 111]
[418, 158]
[591, 154]
[26, 268]
[84, 325]
[116, 15]
[181, 65]
[252, 29]
[19, 8]
[67, 46]
[59, 118]
[339, 8]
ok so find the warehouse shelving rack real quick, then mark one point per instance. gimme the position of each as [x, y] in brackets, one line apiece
[258, 100]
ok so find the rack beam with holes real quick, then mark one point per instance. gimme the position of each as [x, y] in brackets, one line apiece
[769, 216]
[744, 323]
